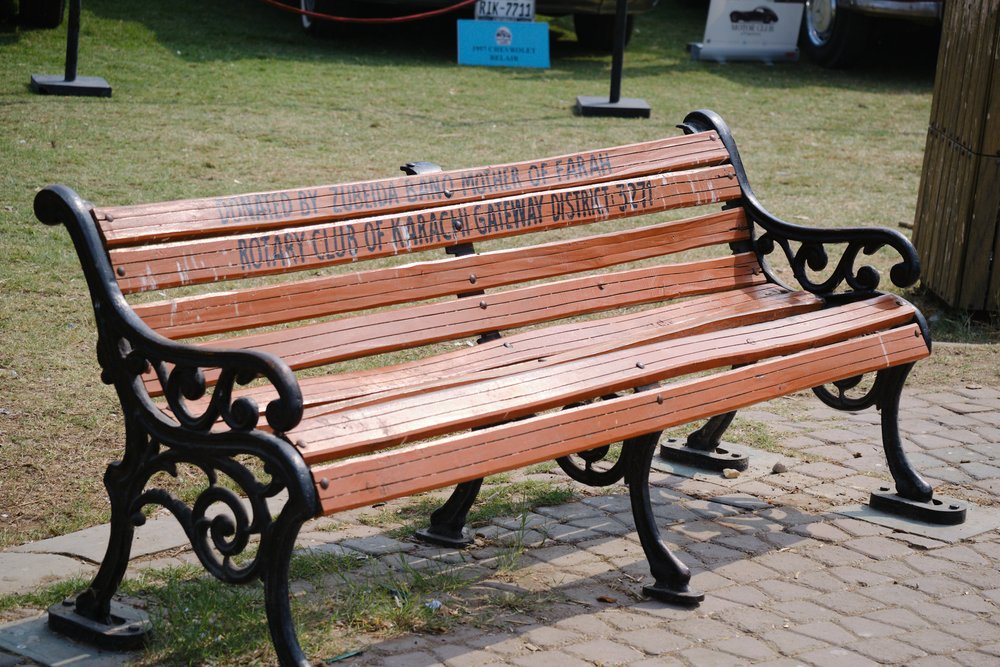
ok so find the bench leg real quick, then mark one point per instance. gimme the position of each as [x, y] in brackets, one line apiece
[276, 598]
[704, 447]
[447, 527]
[671, 577]
[95, 618]
[914, 497]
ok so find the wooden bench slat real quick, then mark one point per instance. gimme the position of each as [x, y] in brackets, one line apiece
[526, 388]
[429, 465]
[696, 315]
[399, 328]
[327, 244]
[194, 218]
[331, 295]
[347, 338]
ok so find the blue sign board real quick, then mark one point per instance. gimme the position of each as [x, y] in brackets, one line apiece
[503, 43]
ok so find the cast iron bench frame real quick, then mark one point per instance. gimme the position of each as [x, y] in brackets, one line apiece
[210, 430]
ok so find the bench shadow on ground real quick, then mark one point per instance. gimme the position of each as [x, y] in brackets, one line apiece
[592, 586]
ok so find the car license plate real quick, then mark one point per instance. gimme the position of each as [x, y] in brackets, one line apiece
[505, 10]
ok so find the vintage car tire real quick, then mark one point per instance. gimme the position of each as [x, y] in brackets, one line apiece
[42, 13]
[311, 25]
[597, 31]
[833, 37]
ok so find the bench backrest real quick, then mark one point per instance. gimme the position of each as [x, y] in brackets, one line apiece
[359, 229]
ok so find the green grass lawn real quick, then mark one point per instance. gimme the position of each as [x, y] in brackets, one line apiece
[214, 98]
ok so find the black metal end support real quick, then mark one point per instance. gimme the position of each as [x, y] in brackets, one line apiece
[125, 628]
[447, 527]
[704, 448]
[70, 83]
[938, 511]
[671, 577]
[614, 105]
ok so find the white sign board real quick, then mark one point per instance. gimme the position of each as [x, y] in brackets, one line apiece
[765, 30]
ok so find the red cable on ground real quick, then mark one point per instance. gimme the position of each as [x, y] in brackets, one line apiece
[347, 19]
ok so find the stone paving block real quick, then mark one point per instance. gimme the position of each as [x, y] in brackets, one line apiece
[825, 631]
[878, 547]
[902, 618]
[835, 657]
[569, 511]
[658, 661]
[866, 627]
[804, 611]
[934, 661]
[971, 601]
[821, 581]
[787, 563]
[415, 659]
[550, 637]
[859, 576]
[604, 652]
[705, 657]
[603, 524]
[932, 640]
[654, 642]
[834, 555]
[751, 620]
[849, 602]
[378, 545]
[887, 650]
[976, 631]
[974, 658]
[548, 659]
[929, 441]
[820, 530]
[792, 643]
[748, 544]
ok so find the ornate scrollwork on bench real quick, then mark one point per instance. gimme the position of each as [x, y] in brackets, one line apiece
[812, 255]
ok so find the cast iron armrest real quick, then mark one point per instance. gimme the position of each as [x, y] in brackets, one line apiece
[811, 253]
[128, 348]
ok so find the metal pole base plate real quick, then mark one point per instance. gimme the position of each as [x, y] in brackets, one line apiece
[129, 627]
[458, 540]
[81, 86]
[626, 107]
[725, 455]
[937, 511]
[684, 596]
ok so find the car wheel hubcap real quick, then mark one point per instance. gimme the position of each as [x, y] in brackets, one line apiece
[820, 16]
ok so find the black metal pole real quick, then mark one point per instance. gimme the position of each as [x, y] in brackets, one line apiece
[73, 39]
[613, 104]
[618, 53]
[70, 84]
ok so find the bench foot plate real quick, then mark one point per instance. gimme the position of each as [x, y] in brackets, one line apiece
[459, 540]
[938, 511]
[128, 629]
[725, 455]
[684, 597]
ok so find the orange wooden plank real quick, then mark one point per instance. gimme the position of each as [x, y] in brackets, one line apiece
[695, 315]
[310, 247]
[400, 328]
[435, 464]
[526, 388]
[396, 329]
[153, 223]
[332, 295]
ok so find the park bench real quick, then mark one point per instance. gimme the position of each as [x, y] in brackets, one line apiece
[316, 347]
